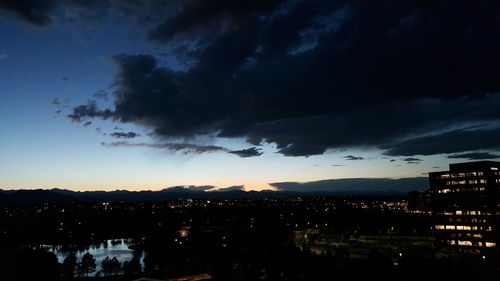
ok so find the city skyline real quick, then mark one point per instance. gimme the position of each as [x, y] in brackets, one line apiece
[106, 95]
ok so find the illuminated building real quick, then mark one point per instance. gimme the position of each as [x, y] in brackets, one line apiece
[466, 207]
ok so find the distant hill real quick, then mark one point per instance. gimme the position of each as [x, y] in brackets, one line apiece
[342, 187]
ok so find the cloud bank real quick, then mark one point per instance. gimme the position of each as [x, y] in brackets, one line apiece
[356, 185]
[408, 77]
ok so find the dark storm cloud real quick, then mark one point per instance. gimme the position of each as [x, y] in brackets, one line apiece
[412, 160]
[249, 152]
[121, 135]
[448, 142]
[296, 149]
[353, 158]
[87, 14]
[201, 18]
[185, 147]
[355, 184]
[89, 110]
[35, 12]
[45, 12]
[475, 156]
[310, 76]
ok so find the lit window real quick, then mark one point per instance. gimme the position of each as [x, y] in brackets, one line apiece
[480, 173]
[458, 212]
[472, 181]
[477, 235]
[463, 227]
[491, 244]
[472, 213]
[439, 226]
[450, 227]
[451, 242]
[482, 181]
[465, 243]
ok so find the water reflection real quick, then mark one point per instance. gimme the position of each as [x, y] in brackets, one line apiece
[118, 248]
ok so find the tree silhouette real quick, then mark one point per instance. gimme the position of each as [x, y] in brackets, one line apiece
[132, 267]
[87, 265]
[110, 266]
[31, 264]
[69, 265]
[115, 266]
[106, 267]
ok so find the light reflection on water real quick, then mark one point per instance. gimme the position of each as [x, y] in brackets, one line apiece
[115, 248]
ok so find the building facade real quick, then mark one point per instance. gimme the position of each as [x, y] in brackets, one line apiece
[466, 207]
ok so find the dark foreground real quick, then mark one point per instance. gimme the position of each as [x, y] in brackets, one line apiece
[311, 238]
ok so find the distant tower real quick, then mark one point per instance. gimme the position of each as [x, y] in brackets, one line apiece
[466, 207]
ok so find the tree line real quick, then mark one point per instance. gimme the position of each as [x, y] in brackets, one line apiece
[109, 266]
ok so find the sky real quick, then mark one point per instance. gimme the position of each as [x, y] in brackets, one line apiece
[107, 94]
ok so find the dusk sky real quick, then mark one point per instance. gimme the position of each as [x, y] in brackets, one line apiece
[105, 95]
